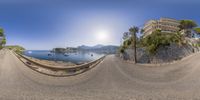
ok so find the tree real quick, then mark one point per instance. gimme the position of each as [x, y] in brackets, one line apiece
[126, 35]
[2, 36]
[179, 39]
[126, 43]
[161, 39]
[141, 31]
[133, 31]
[3, 42]
[1, 32]
[197, 30]
[187, 26]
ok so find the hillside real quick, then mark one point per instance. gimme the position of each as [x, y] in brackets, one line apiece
[110, 49]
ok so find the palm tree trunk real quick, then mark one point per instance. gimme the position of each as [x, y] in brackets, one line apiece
[135, 52]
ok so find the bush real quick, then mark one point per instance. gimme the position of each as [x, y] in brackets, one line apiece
[197, 30]
[121, 50]
[16, 48]
[157, 39]
[1, 32]
[3, 42]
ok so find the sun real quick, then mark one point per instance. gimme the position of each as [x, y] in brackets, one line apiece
[102, 36]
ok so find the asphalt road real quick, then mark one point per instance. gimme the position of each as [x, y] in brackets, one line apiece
[112, 79]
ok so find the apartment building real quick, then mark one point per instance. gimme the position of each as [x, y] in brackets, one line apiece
[164, 24]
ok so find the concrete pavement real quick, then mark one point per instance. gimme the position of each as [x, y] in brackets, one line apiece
[112, 79]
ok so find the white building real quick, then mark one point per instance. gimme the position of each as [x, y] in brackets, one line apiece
[164, 24]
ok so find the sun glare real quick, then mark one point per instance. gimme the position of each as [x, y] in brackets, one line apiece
[102, 36]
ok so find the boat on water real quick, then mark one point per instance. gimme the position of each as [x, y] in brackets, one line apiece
[49, 54]
[66, 55]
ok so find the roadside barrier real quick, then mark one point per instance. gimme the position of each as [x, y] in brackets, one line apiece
[70, 70]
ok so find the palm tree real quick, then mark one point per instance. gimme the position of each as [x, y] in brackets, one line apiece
[187, 26]
[133, 31]
[141, 31]
[125, 35]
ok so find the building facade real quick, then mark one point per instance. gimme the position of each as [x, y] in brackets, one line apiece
[164, 24]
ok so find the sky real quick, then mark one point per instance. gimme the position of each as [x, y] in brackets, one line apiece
[46, 24]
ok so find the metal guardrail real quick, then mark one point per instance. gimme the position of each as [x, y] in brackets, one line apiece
[78, 69]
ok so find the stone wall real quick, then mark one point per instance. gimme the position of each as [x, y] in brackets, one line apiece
[1, 38]
[163, 55]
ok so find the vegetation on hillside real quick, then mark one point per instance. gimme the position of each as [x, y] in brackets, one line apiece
[130, 40]
[126, 43]
[1, 32]
[187, 26]
[197, 30]
[158, 39]
[16, 48]
[2, 38]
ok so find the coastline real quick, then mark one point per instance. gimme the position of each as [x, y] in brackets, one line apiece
[57, 71]
[66, 59]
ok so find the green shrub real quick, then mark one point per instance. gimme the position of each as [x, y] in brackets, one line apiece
[1, 32]
[16, 48]
[157, 39]
[197, 30]
[121, 50]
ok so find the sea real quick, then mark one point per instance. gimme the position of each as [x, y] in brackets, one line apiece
[79, 57]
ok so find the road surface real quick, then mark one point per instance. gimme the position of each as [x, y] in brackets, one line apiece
[112, 79]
